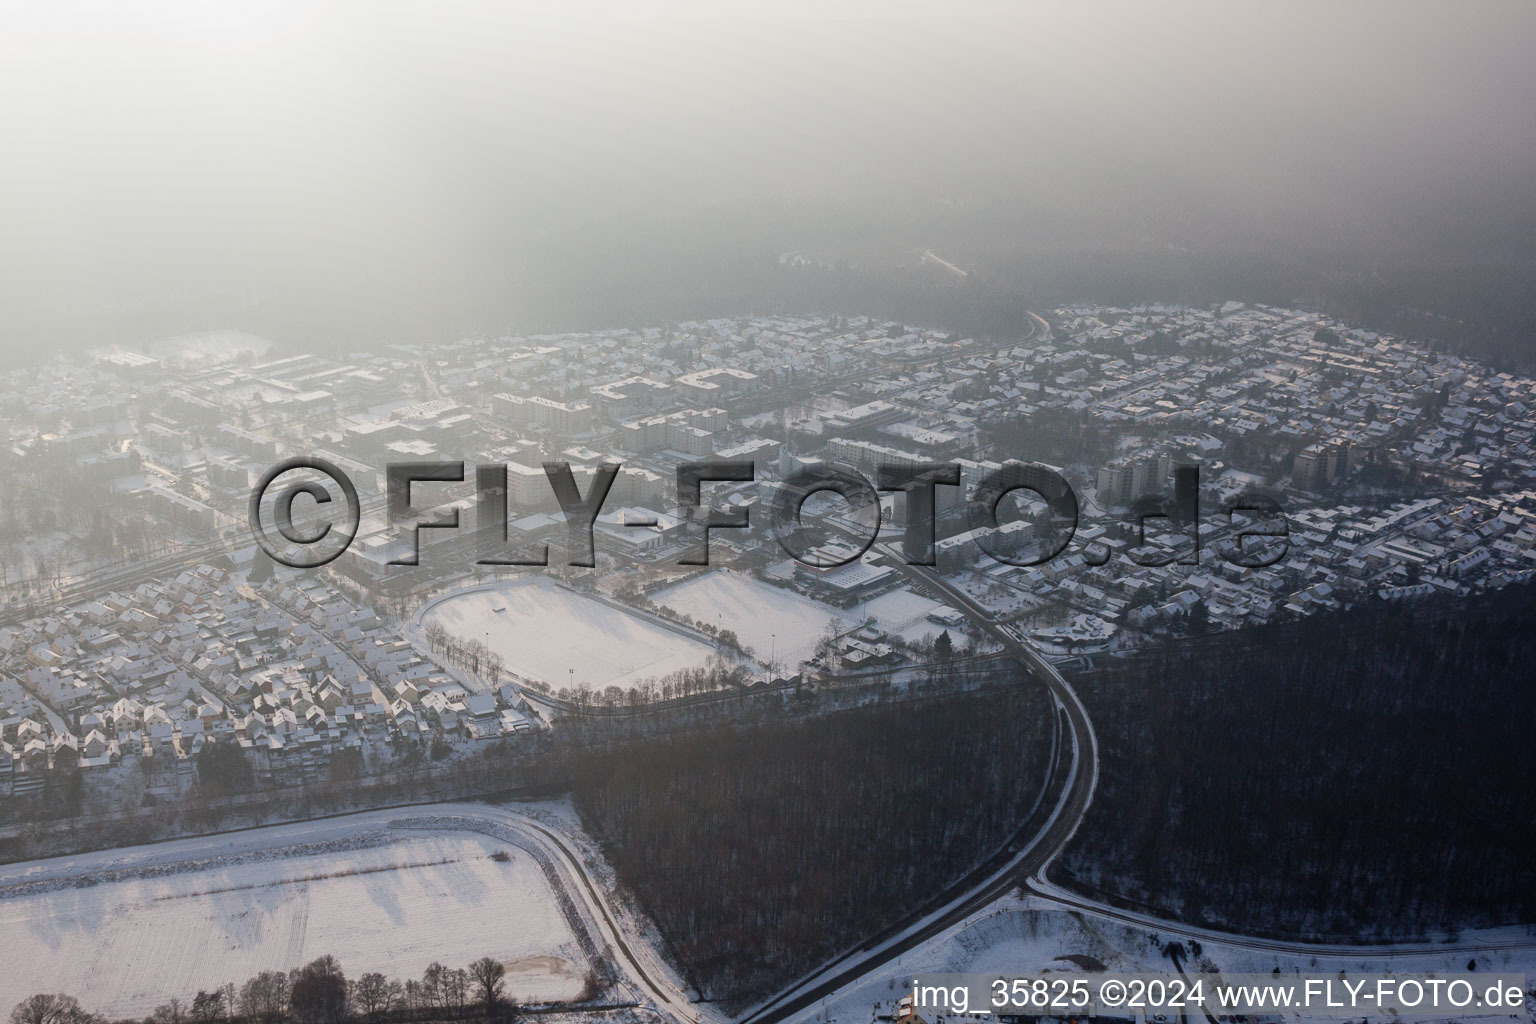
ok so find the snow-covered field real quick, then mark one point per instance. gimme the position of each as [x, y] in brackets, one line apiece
[756, 611]
[543, 630]
[170, 919]
[905, 614]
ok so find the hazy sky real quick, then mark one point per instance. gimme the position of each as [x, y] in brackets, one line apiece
[156, 151]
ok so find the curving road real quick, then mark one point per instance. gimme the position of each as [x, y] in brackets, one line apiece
[1027, 868]
[1085, 743]
[1080, 796]
[1027, 860]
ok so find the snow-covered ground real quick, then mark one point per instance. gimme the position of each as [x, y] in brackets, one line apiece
[755, 611]
[1029, 935]
[124, 930]
[543, 630]
[905, 614]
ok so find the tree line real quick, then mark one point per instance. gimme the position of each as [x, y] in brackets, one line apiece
[318, 993]
[467, 653]
[531, 763]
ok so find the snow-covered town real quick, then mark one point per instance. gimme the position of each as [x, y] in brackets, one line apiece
[669, 512]
[135, 631]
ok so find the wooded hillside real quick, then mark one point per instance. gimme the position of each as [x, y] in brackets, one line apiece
[761, 850]
[1356, 776]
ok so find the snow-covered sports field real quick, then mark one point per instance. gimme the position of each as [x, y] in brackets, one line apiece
[756, 611]
[543, 631]
[125, 930]
[905, 614]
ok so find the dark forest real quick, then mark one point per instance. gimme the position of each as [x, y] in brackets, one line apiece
[1358, 777]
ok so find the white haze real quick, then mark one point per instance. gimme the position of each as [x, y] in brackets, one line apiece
[220, 157]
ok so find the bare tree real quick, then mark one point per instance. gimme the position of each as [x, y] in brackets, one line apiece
[456, 990]
[374, 995]
[48, 1009]
[318, 994]
[265, 997]
[208, 1006]
[433, 986]
[488, 974]
[436, 634]
[169, 1013]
